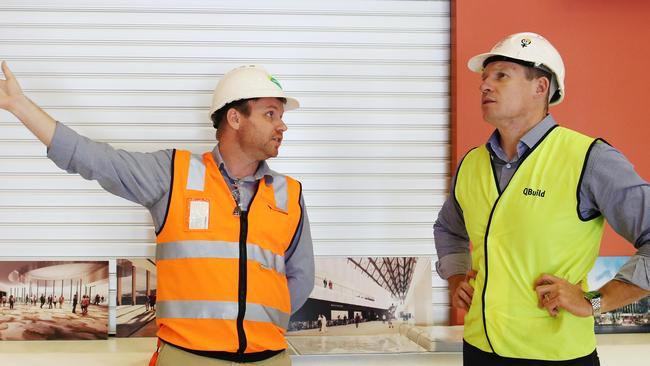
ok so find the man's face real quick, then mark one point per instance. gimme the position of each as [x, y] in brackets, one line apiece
[506, 93]
[261, 132]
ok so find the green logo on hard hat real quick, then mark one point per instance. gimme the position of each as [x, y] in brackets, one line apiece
[275, 81]
[525, 42]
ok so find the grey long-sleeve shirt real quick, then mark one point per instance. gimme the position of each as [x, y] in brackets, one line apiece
[610, 187]
[144, 178]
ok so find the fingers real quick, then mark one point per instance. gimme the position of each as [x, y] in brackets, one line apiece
[543, 290]
[546, 279]
[555, 294]
[463, 296]
[546, 287]
[461, 301]
[548, 298]
[9, 86]
[6, 71]
[471, 274]
[551, 304]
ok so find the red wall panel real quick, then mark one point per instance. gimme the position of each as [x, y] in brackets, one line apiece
[606, 50]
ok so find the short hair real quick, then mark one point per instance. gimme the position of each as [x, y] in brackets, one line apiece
[240, 105]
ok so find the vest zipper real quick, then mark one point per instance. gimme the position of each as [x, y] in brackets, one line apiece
[243, 274]
[241, 299]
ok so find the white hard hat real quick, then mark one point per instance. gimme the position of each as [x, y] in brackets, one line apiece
[529, 47]
[247, 82]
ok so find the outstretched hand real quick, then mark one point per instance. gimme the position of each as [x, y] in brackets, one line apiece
[9, 87]
[554, 294]
[32, 116]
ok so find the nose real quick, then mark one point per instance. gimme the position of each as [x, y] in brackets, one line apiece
[282, 126]
[485, 86]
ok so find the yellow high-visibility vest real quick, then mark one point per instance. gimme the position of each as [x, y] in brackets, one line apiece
[531, 228]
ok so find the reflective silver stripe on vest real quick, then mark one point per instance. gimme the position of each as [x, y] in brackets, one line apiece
[226, 310]
[196, 174]
[281, 192]
[218, 249]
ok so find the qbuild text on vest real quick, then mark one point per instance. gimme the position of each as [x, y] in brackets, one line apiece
[533, 192]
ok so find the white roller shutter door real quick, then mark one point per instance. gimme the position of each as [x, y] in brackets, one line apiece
[370, 143]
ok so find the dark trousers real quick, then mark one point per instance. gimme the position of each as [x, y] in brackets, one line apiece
[473, 356]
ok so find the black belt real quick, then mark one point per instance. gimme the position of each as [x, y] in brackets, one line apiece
[230, 356]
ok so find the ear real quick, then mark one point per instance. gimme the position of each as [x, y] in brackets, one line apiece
[542, 85]
[233, 118]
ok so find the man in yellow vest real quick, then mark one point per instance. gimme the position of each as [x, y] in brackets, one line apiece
[533, 201]
[234, 252]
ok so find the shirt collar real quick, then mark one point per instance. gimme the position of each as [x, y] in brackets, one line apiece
[530, 139]
[263, 170]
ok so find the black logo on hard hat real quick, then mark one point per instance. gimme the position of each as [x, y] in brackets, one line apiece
[525, 42]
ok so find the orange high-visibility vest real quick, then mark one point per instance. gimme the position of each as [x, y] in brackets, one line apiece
[221, 284]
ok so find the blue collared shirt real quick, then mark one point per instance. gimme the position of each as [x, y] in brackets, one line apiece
[610, 187]
[144, 178]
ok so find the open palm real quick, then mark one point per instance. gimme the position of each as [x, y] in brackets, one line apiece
[9, 88]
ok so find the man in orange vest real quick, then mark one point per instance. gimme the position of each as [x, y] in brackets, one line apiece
[234, 250]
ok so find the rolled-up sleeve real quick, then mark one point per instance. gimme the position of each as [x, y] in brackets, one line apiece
[451, 239]
[636, 271]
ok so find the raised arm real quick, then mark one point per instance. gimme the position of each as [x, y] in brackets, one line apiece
[32, 116]
[143, 178]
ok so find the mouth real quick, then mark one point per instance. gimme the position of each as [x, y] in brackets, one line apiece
[278, 140]
[485, 101]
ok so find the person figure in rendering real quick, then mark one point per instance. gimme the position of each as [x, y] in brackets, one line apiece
[85, 302]
[75, 300]
[323, 324]
[152, 301]
[146, 303]
[533, 201]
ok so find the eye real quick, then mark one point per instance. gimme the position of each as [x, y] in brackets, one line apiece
[500, 75]
[270, 114]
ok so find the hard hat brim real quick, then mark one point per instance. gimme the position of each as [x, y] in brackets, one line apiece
[292, 103]
[476, 63]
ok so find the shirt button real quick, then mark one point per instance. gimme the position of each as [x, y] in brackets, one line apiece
[508, 166]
